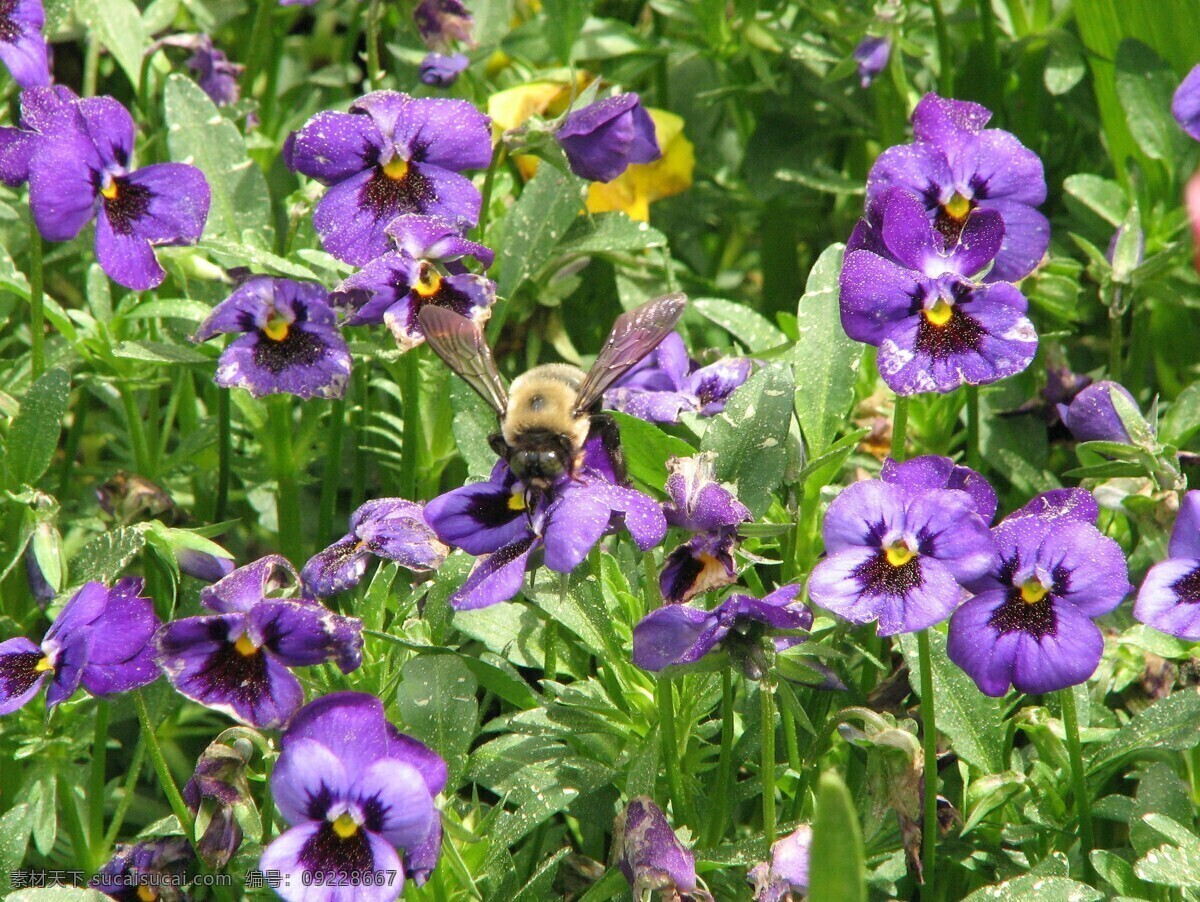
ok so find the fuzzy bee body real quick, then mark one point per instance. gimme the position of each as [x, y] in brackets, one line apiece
[549, 413]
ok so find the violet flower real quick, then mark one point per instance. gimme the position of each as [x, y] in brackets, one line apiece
[899, 554]
[603, 138]
[292, 343]
[238, 660]
[871, 54]
[216, 75]
[1185, 105]
[83, 173]
[906, 289]
[1030, 623]
[957, 166]
[785, 876]
[930, 472]
[651, 856]
[703, 506]
[217, 794]
[1169, 599]
[388, 528]
[442, 21]
[506, 523]
[151, 869]
[668, 383]
[358, 795]
[1091, 416]
[679, 634]
[441, 71]
[45, 112]
[391, 154]
[100, 640]
[22, 46]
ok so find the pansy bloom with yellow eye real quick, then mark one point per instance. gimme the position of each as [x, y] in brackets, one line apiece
[291, 343]
[391, 154]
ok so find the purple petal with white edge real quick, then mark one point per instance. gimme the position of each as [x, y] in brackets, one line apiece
[352, 724]
[313, 848]
[699, 503]
[1185, 104]
[339, 567]
[876, 296]
[122, 654]
[246, 586]
[862, 515]
[313, 360]
[245, 310]
[333, 146]
[395, 529]
[997, 166]
[466, 294]
[482, 517]
[948, 123]
[713, 384]
[1185, 535]
[1098, 577]
[641, 515]
[950, 530]
[367, 294]
[649, 854]
[1092, 417]
[920, 167]
[651, 406]
[665, 636]
[421, 859]
[1169, 599]
[302, 634]
[574, 524]
[979, 242]
[451, 134]
[307, 779]
[19, 677]
[399, 805]
[497, 577]
[435, 238]
[1060, 504]
[24, 49]
[111, 128]
[1026, 238]
[62, 186]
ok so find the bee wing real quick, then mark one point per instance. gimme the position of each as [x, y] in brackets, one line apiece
[458, 341]
[634, 335]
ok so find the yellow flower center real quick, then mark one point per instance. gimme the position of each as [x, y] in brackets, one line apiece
[957, 207]
[516, 501]
[276, 328]
[899, 554]
[939, 314]
[146, 893]
[396, 169]
[344, 826]
[245, 646]
[109, 191]
[1032, 591]
[430, 282]
[43, 665]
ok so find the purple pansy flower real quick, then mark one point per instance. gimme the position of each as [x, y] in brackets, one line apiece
[216, 75]
[906, 289]
[391, 154]
[100, 639]
[1091, 416]
[388, 528]
[441, 71]
[930, 472]
[701, 505]
[651, 856]
[442, 21]
[292, 343]
[603, 138]
[1185, 105]
[668, 383]
[506, 522]
[785, 876]
[1169, 599]
[956, 166]
[1030, 623]
[152, 869]
[237, 660]
[899, 554]
[83, 173]
[216, 794]
[679, 634]
[358, 795]
[44, 113]
[22, 46]
[871, 54]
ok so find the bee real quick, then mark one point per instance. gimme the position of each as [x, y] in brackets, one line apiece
[550, 412]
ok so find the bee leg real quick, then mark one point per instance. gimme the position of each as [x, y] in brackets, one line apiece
[610, 438]
[497, 443]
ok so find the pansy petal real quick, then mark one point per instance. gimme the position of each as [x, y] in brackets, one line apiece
[122, 654]
[641, 515]
[919, 167]
[1185, 534]
[951, 531]
[1064, 658]
[651, 406]
[395, 529]
[24, 53]
[111, 129]
[1185, 104]
[664, 636]
[126, 257]
[350, 228]
[303, 633]
[333, 146]
[1026, 238]
[339, 567]
[876, 294]
[862, 514]
[352, 722]
[398, 804]
[1169, 599]
[307, 776]
[451, 134]
[62, 186]
[713, 384]
[574, 524]
[313, 361]
[1061, 504]
[947, 122]
[998, 166]
[368, 293]
[343, 865]
[983, 653]
[1099, 576]
[495, 578]
[241, 590]
[19, 677]
[479, 518]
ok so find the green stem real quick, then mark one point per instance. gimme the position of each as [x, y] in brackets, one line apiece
[96, 792]
[945, 51]
[719, 816]
[268, 811]
[68, 801]
[665, 690]
[224, 454]
[1116, 343]
[1078, 780]
[551, 635]
[260, 41]
[137, 435]
[410, 397]
[489, 181]
[165, 780]
[91, 66]
[287, 506]
[358, 476]
[373, 71]
[766, 695]
[333, 468]
[37, 327]
[929, 748]
[127, 796]
[899, 427]
[974, 458]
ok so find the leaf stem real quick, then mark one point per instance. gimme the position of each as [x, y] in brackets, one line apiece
[974, 458]
[333, 468]
[224, 453]
[96, 792]
[899, 427]
[1116, 343]
[1078, 780]
[766, 695]
[165, 780]
[373, 71]
[665, 690]
[37, 326]
[410, 398]
[929, 768]
[945, 51]
[137, 435]
[287, 507]
[719, 814]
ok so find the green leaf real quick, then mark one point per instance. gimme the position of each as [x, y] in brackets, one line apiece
[473, 422]
[33, 435]
[437, 705]
[825, 359]
[117, 25]
[1145, 86]
[15, 828]
[837, 872]
[609, 233]
[160, 352]
[748, 326]
[1065, 67]
[1172, 723]
[235, 254]
[564, 21]
[540, 217]
[750, 435]
[1119, 873]
[1170, 866]
[582, 610]
[1182, 419]
[973, 721]
[198, 133]
[647, 448]
[1102, 196]
[1035, 888]
[104, 557]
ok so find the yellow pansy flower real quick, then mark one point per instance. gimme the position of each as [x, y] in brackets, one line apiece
[641, 184]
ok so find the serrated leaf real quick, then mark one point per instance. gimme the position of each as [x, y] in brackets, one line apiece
[33, 435]
[117, 24]
[104, 557]
[748, 326]
[535, 224]
[437, 705]
[647, 448]
[582, 609]
[1172, 723]
[837, 872]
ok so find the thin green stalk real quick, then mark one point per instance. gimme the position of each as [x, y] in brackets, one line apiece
[333, 468]
[945, 51]
[96, 794]
[1079, 790]
[665, 690]
[128, 793]
[489, 181]
[410, 397]
[550, 637]
[718, 817]
[791, 744]
[287, 506]
[91, 65]
[929, 748]
[224, 454]
[260, 41]
[165, 780]
[268, 811]
[373, 70]
[899, 427]
[137, 435]
[37, 326]
[69, 803]
[987, 37]
[1116, 344]
[766, 695]
[358, 476]
[974, 458]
